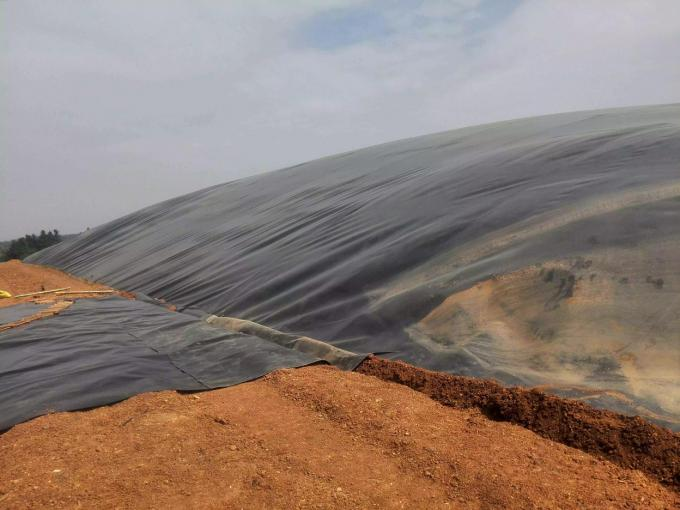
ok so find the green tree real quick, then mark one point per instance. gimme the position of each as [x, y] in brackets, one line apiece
[30, 243]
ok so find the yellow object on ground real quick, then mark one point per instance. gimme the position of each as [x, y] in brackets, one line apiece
[4, 294]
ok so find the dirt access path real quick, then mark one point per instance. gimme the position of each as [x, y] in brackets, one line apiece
[314, 437]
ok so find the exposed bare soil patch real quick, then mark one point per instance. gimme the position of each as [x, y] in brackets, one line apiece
[17, 277]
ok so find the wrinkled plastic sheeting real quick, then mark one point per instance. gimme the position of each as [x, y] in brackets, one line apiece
[14, 313]
[340, 358]
[534, 251]
[101, 351]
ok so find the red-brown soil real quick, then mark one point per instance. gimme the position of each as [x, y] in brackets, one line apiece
[314, 437]
[630, 442]
[17, 277]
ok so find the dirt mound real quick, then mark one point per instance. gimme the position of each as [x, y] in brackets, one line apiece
[630, 442]
[314, 437]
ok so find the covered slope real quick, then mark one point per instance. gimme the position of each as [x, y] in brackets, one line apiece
[101, 351]
[65, 352]
[541, 251]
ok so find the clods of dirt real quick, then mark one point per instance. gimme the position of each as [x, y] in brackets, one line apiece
[630, 442]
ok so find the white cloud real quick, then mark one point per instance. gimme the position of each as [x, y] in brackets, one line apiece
[110, 106]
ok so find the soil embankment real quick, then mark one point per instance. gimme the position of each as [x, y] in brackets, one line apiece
[630, 442]
[314, 437]
[19, 278]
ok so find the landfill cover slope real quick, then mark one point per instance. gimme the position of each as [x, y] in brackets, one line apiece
[539, 252]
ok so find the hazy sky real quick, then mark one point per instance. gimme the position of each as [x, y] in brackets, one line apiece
[109, 106]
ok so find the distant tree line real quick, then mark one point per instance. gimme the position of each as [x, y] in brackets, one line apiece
[30, 243]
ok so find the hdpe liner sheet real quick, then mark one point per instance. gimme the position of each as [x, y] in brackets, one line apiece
[541, 251]
[102, 351]
[14, 313]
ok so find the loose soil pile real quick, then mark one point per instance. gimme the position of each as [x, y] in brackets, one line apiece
[314, 437]
[630, 442]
